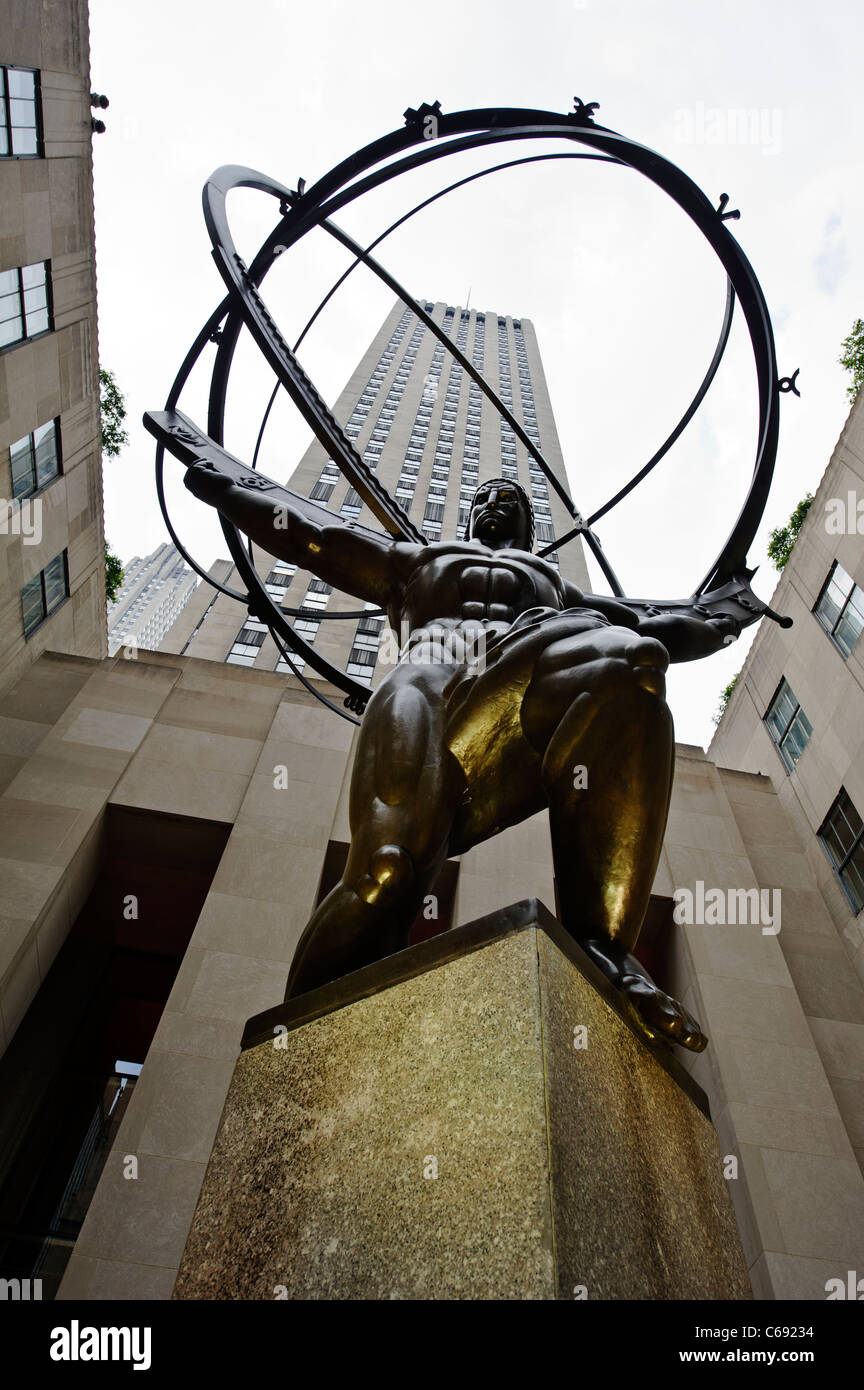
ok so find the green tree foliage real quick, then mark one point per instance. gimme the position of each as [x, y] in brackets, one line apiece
[114, 436]
[113, 573]
[784, 537]
[853, 358]
[724, 699]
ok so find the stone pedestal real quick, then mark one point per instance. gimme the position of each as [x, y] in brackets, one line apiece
[474, 1118]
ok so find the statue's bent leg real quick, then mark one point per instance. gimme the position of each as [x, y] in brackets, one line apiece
[607, 772]
[405, 786]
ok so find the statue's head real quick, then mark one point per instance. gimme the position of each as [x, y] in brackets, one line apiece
[502, 516]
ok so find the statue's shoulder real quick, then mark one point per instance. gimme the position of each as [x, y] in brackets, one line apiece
[442, 550]
[534, 562]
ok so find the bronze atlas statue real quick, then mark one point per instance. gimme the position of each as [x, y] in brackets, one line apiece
[513, 690]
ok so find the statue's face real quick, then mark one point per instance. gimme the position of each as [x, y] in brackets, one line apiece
[499, 516]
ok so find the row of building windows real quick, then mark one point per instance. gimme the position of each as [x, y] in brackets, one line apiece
[840, 611]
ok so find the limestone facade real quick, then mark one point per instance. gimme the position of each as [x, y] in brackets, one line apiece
[46, 218]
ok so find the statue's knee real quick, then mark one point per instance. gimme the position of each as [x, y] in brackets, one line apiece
[648, 660]
[391, 870]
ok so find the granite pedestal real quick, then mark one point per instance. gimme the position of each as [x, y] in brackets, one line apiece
[474, 1118]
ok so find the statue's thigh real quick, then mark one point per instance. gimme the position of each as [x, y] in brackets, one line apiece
[500, 766]
[591, 666]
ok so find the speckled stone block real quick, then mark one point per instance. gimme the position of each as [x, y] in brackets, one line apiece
[431, 1129]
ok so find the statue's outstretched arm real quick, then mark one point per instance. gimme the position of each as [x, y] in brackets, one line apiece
[284, 523]
[686, 635]
[357, 562]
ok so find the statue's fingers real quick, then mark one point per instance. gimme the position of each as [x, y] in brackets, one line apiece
[207, 483]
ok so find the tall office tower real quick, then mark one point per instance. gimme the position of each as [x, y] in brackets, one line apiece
[154, 592]
[431, 437]
[52, 551]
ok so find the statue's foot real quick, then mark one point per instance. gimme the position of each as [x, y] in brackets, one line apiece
[656, 1013]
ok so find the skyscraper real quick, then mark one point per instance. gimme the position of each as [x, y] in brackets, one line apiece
[154, 592]
[423, 425]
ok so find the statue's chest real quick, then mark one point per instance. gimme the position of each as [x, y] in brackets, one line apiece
[496, 583]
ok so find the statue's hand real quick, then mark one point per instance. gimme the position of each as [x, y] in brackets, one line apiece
[687, 637]
[727, 629]
[207, 482]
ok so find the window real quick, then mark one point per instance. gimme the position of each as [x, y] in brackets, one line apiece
[842, 836]
[788, 725]
[25, 309]
[321, 491]
[434, 511]
[317, 595]
[20, 114]
[45, 593]
[283, 667]
[840, 609]
[246, 647]
[35, 460]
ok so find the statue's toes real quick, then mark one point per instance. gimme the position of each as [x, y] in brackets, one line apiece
[664, 1016]
[692, 1037]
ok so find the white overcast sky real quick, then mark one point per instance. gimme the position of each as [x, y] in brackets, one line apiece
[625, 297]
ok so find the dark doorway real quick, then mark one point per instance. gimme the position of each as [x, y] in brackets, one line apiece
[69, 1072]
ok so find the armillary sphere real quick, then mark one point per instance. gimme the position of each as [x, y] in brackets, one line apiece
[427, 135]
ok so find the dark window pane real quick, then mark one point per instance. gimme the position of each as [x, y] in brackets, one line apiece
[55, 583]
[853, 877]
[362, 656]
[47, 454]
[833, 843]
[796, 740]
[852, 816]
[23, 472]
[850, 625]
[843, 837]
[32, 606]
[781, 712]
[250, 638]
[828, 608]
